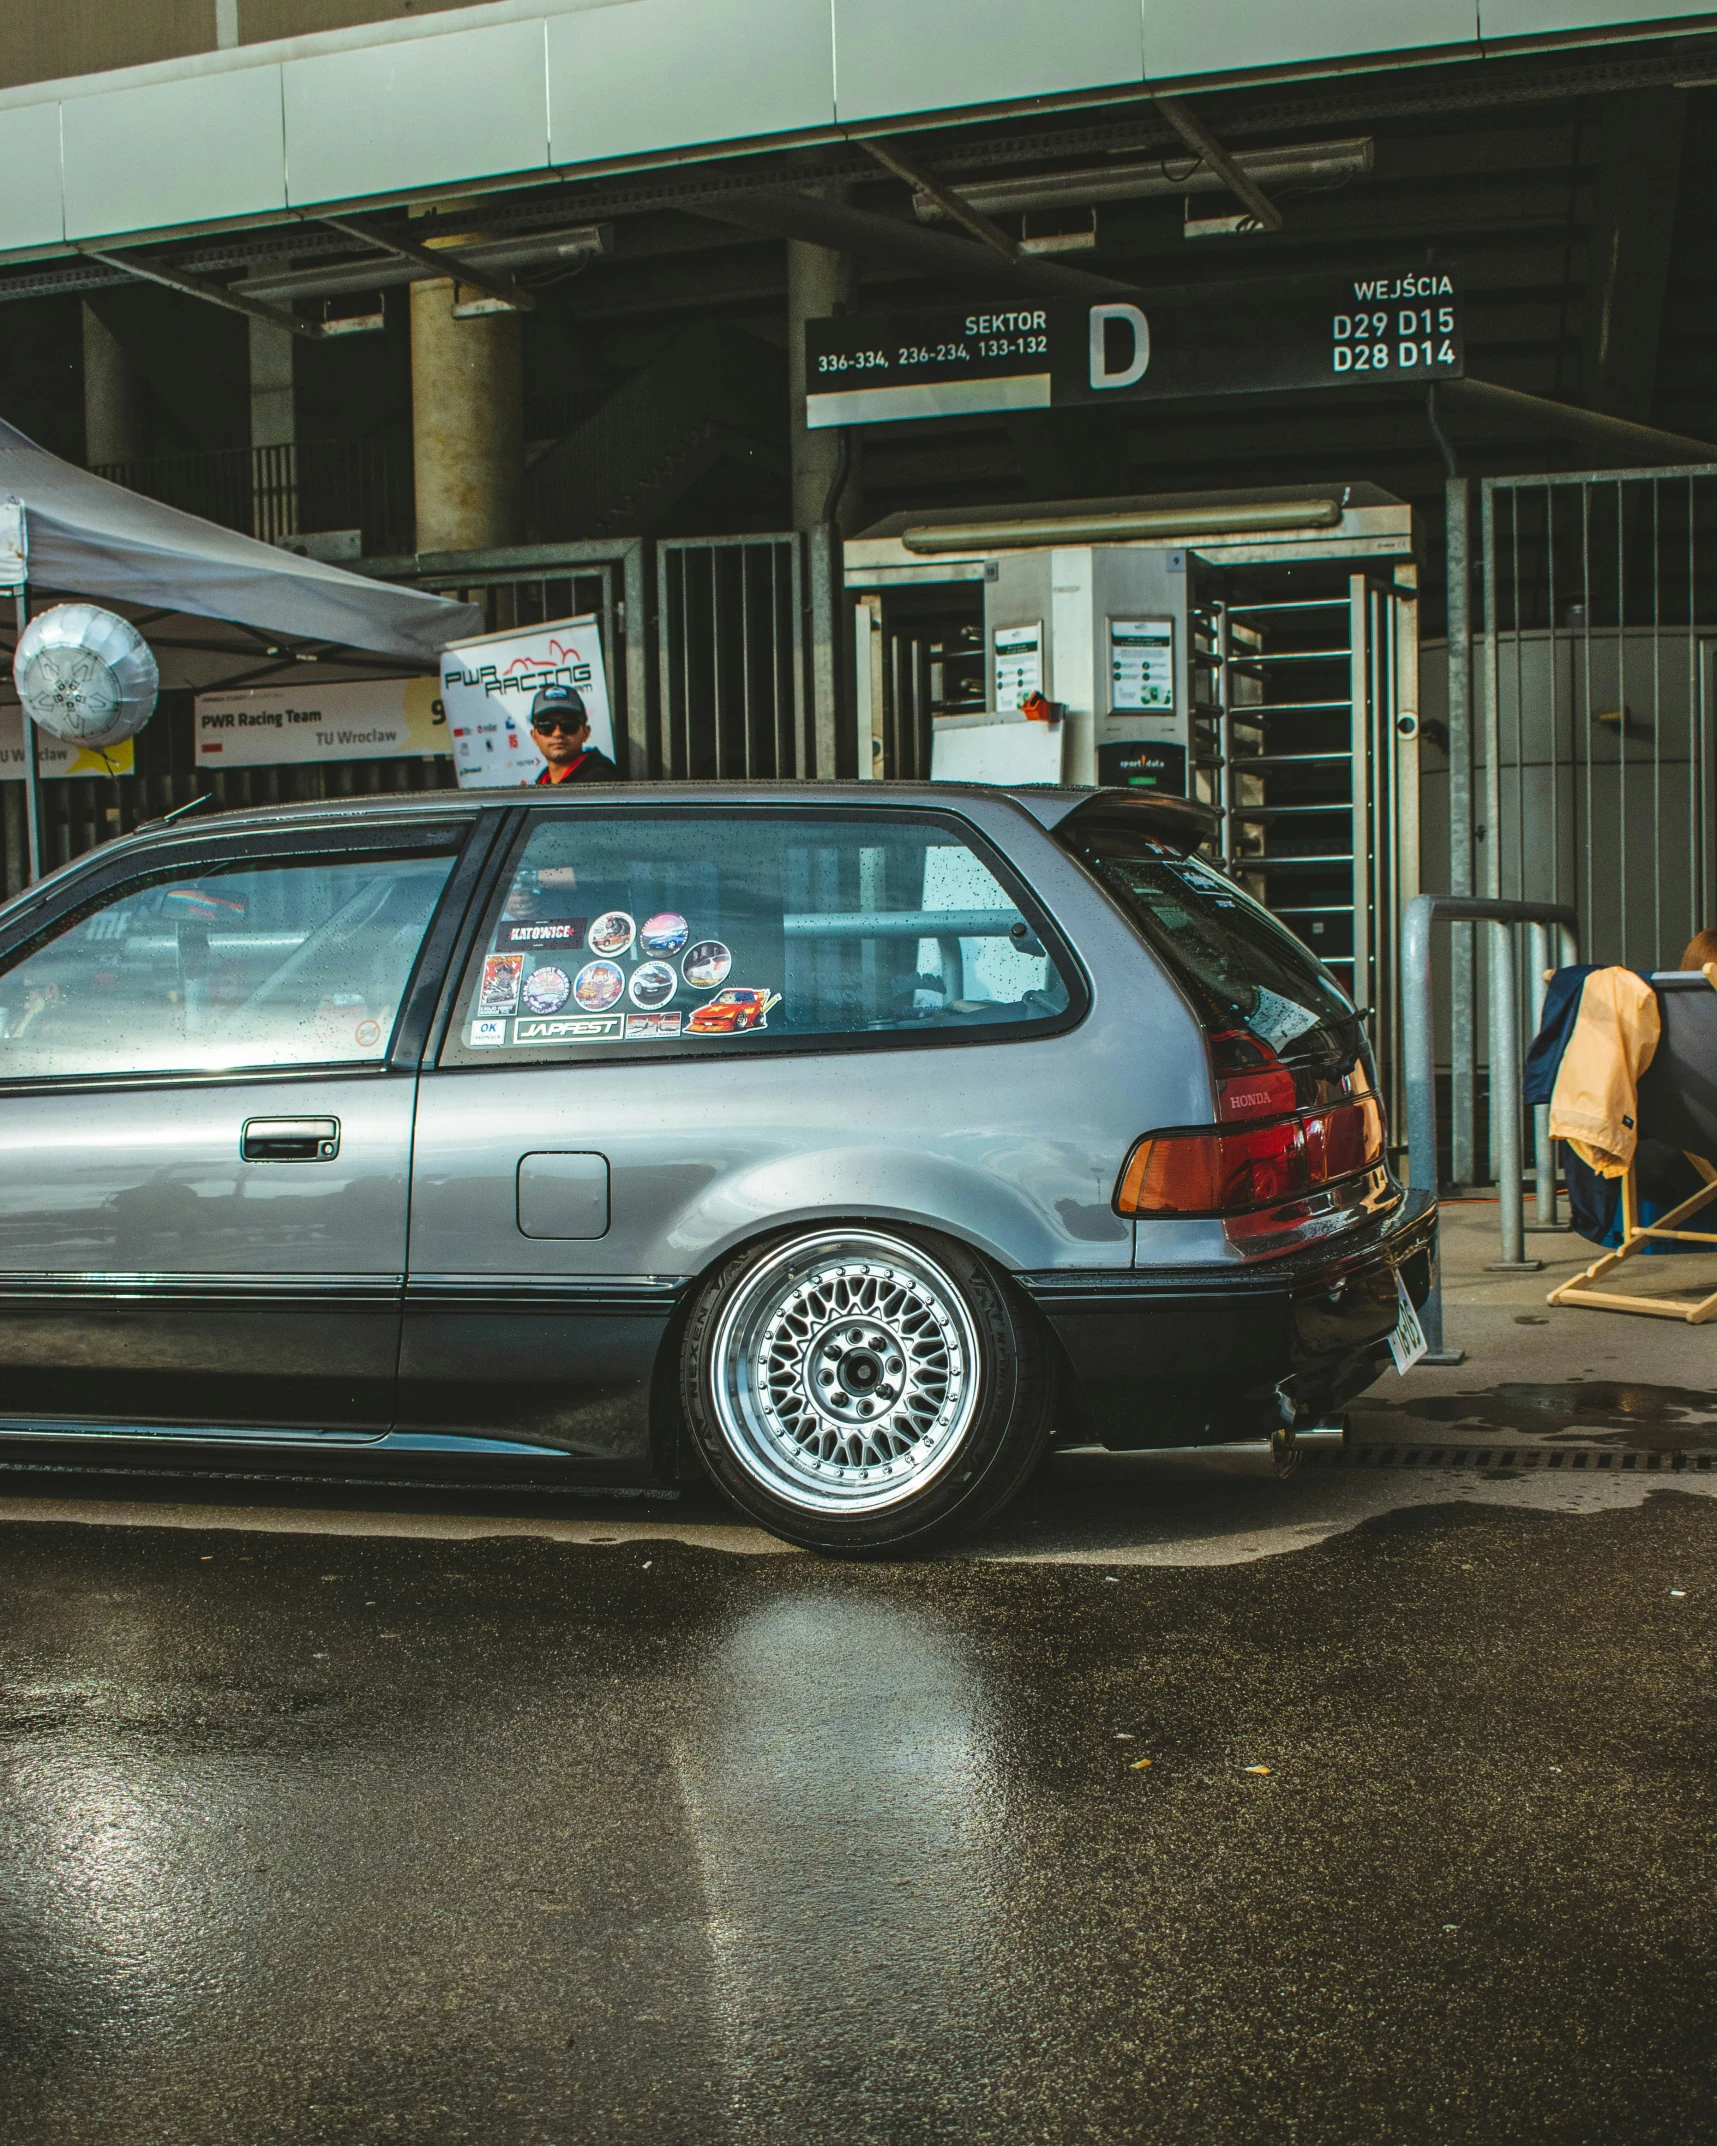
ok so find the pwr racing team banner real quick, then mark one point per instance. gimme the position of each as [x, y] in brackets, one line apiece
[487, 687]
[1355, 331]
[350, 719]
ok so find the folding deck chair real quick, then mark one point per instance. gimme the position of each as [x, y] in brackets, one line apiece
[1677, 1104]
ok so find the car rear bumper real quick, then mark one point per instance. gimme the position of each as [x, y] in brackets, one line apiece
[1180, 1354]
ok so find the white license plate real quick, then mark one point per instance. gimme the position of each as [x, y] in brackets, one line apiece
[1407, 1344]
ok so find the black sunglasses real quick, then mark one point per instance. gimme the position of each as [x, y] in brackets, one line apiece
[570, 724]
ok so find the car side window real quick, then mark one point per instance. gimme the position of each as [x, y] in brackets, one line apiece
[684, 931]
[281, 962]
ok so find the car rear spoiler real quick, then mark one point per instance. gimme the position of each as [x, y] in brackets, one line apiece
[1181, 820]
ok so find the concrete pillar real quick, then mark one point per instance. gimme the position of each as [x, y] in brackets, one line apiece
[112, 396]
[273, 433]
[467, 424]
[273, 402]
[818, 282]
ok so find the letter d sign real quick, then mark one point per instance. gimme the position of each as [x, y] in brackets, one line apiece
[1101, 316]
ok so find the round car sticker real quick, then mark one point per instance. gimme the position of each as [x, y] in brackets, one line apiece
[612, 933]
[368, 1034]
[653, 984]
[663, 934]
[548, 989]
[598, 985]
[706, 964]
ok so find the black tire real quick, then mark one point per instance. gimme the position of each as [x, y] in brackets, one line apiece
[865, 1389]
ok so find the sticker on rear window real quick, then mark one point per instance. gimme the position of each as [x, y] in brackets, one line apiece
[655, 1025]
[545, 931]
[547, 989]
[567, 1028]
[653, 984]
[598, 985]
[1276, 1020]
[499, 990]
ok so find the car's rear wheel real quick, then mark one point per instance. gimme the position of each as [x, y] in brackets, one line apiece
[865, 1389]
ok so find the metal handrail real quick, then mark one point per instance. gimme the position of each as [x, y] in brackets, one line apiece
[1419, 1053]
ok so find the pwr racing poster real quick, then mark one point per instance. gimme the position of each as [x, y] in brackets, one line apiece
[487, 686]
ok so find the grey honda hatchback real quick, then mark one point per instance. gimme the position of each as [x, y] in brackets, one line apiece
[851, 1140]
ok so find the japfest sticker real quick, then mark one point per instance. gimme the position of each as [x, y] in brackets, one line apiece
[741, 1012]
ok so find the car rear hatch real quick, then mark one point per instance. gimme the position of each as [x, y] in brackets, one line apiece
[1294, 1148]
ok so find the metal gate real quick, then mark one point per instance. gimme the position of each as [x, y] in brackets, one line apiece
[745, 657]
[1583, 774]
[525, 584]
[1305, 738]
[720, 649]
[1599, 623]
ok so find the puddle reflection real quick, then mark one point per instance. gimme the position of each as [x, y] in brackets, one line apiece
[847, 1796]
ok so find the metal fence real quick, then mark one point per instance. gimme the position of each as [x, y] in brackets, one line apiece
[1580, 719]
[744, 657]
[282, 491]
[525, 584]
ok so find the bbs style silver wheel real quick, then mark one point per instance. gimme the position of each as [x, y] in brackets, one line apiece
[844, 1372]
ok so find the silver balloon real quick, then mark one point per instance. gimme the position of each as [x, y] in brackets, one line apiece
[86, 675]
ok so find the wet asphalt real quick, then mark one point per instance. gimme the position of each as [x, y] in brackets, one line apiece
[365, 1837]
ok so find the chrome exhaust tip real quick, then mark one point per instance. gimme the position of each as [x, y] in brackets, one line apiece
[1291, 1445]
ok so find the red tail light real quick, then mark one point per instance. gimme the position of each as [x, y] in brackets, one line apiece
[1217, 1170]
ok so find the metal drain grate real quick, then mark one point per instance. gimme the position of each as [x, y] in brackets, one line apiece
[1597, 1458]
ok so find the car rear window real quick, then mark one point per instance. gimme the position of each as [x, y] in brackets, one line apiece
[685, 932]
[1236, 955]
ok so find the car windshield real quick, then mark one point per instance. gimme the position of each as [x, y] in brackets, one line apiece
[1256, 972]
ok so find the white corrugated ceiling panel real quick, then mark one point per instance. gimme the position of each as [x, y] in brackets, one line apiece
[197, 150]
[924, 55]
[31, 213]
[655, 74]
[1545, 18]
[1231, 36]
[426, 111]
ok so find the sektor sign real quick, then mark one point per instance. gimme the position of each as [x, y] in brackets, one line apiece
[1318, 333]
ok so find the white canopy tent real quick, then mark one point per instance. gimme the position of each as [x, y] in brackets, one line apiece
[88, 537]
[216, 607]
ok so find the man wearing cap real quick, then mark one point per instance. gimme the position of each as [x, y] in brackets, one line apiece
[560, 730]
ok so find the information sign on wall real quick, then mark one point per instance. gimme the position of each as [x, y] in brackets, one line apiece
[348, 719]
[487, 687]
[1019, 665]
[1141, 666]
[1319, 332]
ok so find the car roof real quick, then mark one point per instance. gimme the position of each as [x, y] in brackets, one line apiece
[1054, 800]
[1048, 804]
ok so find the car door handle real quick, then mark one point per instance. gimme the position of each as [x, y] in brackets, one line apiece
[290, 1139]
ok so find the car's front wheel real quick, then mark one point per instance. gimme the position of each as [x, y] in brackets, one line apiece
[865, 1389]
